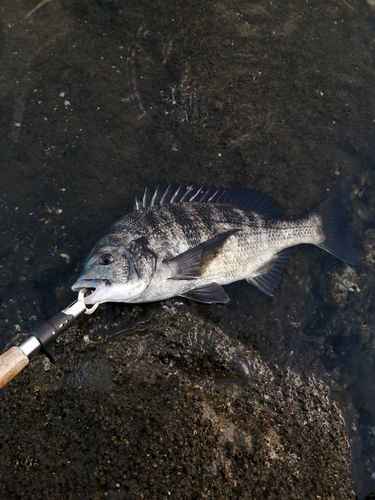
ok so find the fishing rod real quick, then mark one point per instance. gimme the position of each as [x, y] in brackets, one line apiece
[41, 339]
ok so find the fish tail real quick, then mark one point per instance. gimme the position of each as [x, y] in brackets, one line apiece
[332, 213]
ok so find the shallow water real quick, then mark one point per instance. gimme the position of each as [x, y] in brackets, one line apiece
[99, 99]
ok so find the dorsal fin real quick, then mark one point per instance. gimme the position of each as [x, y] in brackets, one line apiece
[147, 197]
[241, 197]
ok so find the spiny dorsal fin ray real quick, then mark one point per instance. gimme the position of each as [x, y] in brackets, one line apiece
[167, 195]
[177, 194]
[247, 198]
[138, 204]
[157, 196]
[270, 279]
[191, 264]
[147, 196]
[191, 192]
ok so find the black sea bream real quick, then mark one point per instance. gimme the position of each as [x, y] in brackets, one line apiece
[190, 241]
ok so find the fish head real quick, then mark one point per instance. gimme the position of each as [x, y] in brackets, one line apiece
[117, 270]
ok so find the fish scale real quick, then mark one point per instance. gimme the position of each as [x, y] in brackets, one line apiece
[190, 241]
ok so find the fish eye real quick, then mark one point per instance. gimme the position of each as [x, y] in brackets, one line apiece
[106, 259]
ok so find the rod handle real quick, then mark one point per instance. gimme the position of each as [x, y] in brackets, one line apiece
[12, 362]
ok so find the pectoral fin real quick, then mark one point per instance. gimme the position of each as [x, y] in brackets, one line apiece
[267, 281]
[207, 294]
[191, 264]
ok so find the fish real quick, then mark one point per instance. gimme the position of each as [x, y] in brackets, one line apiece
[189, 241]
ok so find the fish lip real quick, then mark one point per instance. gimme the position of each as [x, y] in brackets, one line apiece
[91, 285]
[88, 283]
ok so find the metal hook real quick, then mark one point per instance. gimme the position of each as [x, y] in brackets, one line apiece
[81, 298]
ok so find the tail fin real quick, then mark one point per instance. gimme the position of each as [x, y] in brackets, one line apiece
[337, 240]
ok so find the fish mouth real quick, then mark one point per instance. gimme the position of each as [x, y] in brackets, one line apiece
[92, 287]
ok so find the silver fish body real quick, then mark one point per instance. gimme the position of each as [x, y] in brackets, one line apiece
[190, 241]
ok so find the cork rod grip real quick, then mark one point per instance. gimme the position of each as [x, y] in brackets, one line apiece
[11, 363]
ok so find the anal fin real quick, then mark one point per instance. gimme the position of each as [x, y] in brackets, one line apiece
[270, 279]
[207, 294]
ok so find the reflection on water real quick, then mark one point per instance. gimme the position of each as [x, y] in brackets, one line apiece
[99, 99]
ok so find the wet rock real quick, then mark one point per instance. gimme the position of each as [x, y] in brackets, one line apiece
[178, 411]
[344, 283]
